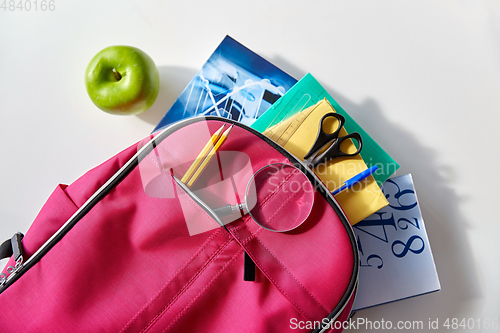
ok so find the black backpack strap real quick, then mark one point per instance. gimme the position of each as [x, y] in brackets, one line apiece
[5, 249]
[12, 246]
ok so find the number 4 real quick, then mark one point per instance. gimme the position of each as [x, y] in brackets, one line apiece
[4, 5]
[365, 224]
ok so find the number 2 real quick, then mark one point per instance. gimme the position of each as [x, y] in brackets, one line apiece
[407, 223]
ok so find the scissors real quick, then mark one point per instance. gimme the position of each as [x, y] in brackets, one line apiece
[314, 157]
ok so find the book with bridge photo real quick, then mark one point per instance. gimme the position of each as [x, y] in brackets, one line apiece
[234, 83]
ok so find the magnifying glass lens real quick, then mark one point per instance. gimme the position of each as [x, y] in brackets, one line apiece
[279, 197]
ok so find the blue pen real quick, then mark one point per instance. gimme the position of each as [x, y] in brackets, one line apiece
[356, 179]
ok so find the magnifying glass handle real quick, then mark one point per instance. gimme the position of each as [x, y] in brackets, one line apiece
[227, 209]
[224, 210]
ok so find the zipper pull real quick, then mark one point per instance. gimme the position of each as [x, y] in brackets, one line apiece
[17, 247]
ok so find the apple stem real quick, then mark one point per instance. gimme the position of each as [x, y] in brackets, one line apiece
[117, 75]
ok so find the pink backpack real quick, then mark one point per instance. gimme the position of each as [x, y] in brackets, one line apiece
[126, 249]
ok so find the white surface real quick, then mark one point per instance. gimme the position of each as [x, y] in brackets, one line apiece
[422, 78]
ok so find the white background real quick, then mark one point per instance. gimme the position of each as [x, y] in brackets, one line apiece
[422, 77]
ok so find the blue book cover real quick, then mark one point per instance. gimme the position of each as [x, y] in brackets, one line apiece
[234, 83]
[396, 260]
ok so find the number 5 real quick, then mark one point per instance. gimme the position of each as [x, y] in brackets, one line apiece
[372, 256]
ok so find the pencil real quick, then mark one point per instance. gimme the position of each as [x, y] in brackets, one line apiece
[201, 156]
[209, 156]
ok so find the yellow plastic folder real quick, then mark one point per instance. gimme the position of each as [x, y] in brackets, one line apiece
[297, 135]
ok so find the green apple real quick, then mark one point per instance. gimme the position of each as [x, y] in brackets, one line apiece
[122, 80]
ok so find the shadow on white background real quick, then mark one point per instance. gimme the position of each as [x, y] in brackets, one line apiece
[173, 80]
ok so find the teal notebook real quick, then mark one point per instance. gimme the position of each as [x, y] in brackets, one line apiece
[308, 92]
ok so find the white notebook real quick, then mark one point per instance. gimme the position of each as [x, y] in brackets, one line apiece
[396, 260]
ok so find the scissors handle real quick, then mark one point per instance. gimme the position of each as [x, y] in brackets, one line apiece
[335, 151]
[324, 138]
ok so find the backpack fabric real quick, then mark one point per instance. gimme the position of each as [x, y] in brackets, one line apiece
[104, 255]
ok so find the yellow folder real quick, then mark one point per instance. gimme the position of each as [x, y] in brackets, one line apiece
[297, 135]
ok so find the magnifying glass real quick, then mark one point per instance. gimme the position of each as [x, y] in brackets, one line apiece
[279, 197]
